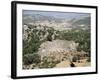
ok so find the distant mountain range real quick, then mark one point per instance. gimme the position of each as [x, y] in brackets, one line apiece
[33, 18]
[82, 23]
[73, 23]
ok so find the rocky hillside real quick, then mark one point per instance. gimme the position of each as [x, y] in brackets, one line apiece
[48, 40]
[34, 36]
[57, 47]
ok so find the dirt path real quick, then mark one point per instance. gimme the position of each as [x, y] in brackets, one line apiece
[63, 64]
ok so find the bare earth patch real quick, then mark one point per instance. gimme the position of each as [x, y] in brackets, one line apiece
[66, 63]
[63, 64]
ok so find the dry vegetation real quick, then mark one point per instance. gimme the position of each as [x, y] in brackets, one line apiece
[76, 56]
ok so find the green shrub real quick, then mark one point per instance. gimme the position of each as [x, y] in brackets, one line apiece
[89, 59]
[51, 65]
[74, 59]
[48, 62]
[31, 58]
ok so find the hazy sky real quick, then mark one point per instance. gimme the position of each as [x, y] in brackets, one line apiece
[65, 15]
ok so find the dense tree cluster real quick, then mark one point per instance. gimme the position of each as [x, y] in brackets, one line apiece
[79, 36]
